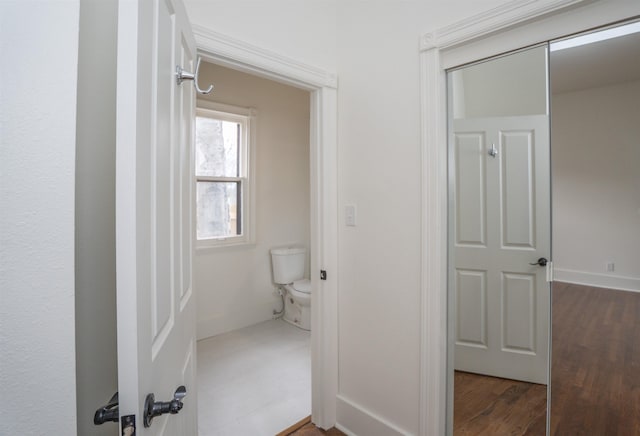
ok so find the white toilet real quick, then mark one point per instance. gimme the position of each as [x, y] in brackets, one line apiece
[288, 272]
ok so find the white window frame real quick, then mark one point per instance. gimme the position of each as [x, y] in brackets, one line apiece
[246, 118]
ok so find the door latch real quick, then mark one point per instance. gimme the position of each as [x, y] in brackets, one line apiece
[109, 412]
[153, 408]
[128, 425]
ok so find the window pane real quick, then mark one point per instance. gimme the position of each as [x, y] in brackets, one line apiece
[218, 214]
[217, 147]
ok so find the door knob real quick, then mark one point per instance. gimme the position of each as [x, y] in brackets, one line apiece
[541, 262]
[109, 412]
[153, 408]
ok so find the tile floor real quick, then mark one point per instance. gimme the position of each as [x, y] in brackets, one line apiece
[254, 381]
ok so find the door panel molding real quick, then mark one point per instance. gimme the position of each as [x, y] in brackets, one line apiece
[472, 327]
[470, 190]
[517, 192]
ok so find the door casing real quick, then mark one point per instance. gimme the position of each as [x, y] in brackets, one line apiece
[322, 85]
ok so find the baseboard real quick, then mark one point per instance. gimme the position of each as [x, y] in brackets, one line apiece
[355, 420]
[597, 280]
[232, 321]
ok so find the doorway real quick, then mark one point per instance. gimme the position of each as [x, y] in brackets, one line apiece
[581, 114]
[322, 86]
[254, 369]
[498, 31]
[499, 244]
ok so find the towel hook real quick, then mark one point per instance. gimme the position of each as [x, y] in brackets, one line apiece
[182, 75]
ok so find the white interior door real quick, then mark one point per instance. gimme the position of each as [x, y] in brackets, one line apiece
[154, 197]
[502, 224]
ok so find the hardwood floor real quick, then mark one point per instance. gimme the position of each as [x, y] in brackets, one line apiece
[595, 382]
[306, 428]
[595, 377]
[491, 406]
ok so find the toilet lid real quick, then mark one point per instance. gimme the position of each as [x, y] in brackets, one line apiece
[302, 286]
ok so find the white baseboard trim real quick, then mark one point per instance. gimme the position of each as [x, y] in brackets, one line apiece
[597, 280]
[232, 321]
[355, 420]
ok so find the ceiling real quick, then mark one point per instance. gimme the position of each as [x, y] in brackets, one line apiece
[615, 60]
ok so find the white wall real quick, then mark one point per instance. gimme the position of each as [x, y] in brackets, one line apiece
[379, 171]
[512, 85]
[374, 47]
[596, 185]
[234, 284]
[302, 30]
[96, 348]
[37, 172]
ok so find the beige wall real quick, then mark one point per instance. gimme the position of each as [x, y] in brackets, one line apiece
[596, 185]
[234, 284]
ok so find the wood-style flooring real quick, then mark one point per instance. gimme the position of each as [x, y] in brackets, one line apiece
[595, 376]
[306, 428]
[491, 406]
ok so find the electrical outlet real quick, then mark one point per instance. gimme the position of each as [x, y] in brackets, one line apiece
[611, 266]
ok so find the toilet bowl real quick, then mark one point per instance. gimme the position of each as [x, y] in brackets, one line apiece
[297, 304]
[288, 273]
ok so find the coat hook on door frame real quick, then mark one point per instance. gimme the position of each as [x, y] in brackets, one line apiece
[182, 75]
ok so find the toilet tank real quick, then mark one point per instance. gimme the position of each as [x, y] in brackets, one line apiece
[288, 264]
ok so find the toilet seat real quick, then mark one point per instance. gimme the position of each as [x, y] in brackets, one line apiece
[302, 296]
[303, 286]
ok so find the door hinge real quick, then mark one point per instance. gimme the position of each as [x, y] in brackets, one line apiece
[323, 275]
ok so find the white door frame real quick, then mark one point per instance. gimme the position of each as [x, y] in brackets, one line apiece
[513, 25]
[239, 55]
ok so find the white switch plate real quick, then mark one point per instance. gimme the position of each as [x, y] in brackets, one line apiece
[350, 215]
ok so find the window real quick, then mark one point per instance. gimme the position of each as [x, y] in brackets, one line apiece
[223, 175]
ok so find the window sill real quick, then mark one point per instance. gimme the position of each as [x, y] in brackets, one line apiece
[216, 244]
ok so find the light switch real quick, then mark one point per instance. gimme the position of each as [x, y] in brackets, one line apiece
[350, 214]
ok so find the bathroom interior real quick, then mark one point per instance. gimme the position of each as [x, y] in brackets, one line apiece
[252, 278]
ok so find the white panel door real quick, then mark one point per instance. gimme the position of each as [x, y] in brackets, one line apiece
[154, 199]
[502, 224]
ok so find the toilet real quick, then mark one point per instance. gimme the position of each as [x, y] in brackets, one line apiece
[288, 273]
